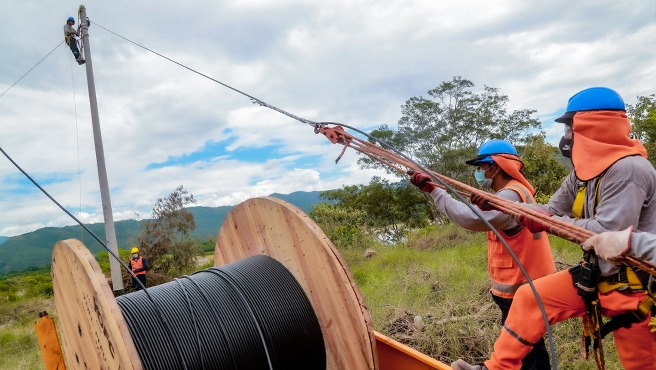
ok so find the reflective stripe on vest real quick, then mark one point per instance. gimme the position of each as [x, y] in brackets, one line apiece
[532, 250]
[137, 264]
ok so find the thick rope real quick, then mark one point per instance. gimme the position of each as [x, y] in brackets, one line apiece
[567, 231]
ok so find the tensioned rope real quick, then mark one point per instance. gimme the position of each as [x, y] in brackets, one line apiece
[565, 230]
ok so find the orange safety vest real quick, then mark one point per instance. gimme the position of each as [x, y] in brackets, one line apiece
[137, 264]
[532, 250]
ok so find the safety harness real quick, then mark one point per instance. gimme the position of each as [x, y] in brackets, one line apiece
[586, 278]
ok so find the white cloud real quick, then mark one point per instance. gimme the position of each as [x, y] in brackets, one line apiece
[354, 61]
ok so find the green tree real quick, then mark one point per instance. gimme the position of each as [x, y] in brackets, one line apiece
[541, 169]
[381, 208]
[643, 117]
[443, 131]
[165, 240]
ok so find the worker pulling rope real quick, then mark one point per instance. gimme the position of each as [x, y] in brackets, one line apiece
[337, 135]
[585, 275]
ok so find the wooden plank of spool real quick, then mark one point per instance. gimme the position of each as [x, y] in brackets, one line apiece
[94, 333]
[280, 230]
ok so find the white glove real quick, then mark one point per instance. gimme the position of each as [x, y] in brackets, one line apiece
[609, 245]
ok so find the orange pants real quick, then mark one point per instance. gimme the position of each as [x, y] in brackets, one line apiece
[636, 345]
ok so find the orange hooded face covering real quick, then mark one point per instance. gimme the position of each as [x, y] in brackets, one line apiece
[601, 138]
[512, 165]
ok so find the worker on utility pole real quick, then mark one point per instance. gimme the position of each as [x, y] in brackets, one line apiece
[70, 34]
[498, 168]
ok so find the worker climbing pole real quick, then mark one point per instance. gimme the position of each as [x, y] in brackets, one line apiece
[71, 36]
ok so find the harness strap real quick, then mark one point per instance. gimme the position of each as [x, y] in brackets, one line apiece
[578, 207]
[627, 278]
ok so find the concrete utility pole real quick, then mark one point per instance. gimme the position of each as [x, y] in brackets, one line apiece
[110, 231]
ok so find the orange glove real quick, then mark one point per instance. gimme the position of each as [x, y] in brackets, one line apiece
[534, 225]
[481, 202]
[423, 182]
[609, 245]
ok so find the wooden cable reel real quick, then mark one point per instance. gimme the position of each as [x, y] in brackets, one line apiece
[96, 336]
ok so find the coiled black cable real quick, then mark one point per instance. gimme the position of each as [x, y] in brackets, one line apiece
[251, 314]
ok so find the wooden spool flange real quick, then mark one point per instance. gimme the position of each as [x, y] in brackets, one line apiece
[280, 230]
[94, 334]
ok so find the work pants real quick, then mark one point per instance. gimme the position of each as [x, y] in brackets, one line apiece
[73, 46]
[538, 357]
[142, 278]
[636, 345]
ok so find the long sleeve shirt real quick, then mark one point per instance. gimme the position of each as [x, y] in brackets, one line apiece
[626, 196]
[643, 246]
[463, 216]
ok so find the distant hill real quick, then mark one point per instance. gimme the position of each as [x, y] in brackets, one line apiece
[33, 250]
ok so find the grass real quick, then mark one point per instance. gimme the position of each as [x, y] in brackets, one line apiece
[431, 293]
[19, 346]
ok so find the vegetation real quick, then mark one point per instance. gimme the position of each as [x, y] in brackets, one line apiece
[379, 208]
[432, 293]
[442, 132]
[33, 251]
[643, 117]
[22, 297]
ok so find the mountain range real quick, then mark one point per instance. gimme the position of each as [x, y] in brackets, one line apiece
[33, 250]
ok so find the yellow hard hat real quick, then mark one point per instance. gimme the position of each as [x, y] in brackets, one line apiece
[134, 250]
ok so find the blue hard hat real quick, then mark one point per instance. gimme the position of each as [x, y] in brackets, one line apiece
[495, 146]
[594, 98]
[71, 19]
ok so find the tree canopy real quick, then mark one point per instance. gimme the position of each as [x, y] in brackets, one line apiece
[381, 208]
[165, 240]
[443, 131]
[643, 117]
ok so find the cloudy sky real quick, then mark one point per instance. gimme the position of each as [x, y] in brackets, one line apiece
[350, 61]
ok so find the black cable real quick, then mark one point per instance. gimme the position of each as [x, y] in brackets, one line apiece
[250, 314]
[30, 70]
[143, 288]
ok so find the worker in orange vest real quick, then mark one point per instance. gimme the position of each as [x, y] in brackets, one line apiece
[612, 187]
[138, 266]
[498, 168]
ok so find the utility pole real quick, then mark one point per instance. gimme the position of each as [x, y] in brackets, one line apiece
[110, 231]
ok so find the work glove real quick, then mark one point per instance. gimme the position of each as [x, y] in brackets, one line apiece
[481, 202]
[422, 181]
[609, 245]
[533, 225]
[460, 364]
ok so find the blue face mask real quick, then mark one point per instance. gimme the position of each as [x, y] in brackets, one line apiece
[482, 181]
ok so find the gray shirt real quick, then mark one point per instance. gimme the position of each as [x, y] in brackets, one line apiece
[69, 30]
[643, 246]
[462, 215]
[626, 194]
